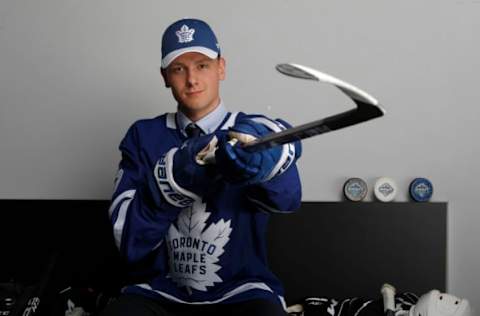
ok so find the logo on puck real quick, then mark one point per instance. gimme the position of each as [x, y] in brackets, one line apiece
[421, 190]
[385, 189]
[355, 189]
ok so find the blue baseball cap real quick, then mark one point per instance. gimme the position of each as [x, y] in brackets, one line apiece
[188, 35]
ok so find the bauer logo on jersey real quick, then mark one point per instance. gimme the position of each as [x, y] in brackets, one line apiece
[185, 34]
[194, 249]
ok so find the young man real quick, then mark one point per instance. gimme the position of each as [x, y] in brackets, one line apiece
[192, 230]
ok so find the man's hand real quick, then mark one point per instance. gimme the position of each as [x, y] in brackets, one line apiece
[187, 172]
[240, 166]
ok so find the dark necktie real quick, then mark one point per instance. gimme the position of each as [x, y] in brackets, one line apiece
[192, 130]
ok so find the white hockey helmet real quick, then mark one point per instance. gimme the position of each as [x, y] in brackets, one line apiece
[435, 303]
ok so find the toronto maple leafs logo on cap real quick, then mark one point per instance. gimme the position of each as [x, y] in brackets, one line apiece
[185, 34]
[188, 35]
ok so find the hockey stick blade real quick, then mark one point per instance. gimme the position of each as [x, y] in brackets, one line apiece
[303, 72]
[367, 108]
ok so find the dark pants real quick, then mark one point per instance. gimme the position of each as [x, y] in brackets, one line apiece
[136, 305]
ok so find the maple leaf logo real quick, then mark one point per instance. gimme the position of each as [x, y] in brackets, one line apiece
[185, 34]
[194, 251]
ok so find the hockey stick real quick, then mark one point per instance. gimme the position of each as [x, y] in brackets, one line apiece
[367, 108]
[32, 299]
[388, 295]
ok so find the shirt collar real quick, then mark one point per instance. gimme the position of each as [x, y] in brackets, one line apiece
[207, 124]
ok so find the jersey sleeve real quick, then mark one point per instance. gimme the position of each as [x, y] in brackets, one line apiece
[282, 194]
[139, 214]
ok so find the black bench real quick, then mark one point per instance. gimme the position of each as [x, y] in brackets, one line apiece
[335, 249]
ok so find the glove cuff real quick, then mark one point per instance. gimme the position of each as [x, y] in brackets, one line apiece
[171, 191]
[287, 156]
[286, 159]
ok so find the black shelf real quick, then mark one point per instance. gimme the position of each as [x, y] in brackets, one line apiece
[347, 249]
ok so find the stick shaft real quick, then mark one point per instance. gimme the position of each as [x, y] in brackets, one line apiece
[362, 113]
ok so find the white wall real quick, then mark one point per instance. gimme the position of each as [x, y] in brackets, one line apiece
[75, 74]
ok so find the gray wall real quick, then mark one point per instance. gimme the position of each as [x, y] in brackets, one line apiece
[75, 74]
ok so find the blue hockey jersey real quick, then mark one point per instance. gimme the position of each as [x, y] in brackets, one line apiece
[212, 251]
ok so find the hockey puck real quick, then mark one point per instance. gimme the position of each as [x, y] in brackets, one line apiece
[355, 189]
[385, 189]
[421, 190]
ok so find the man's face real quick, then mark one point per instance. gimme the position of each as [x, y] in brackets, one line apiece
[195, 81]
